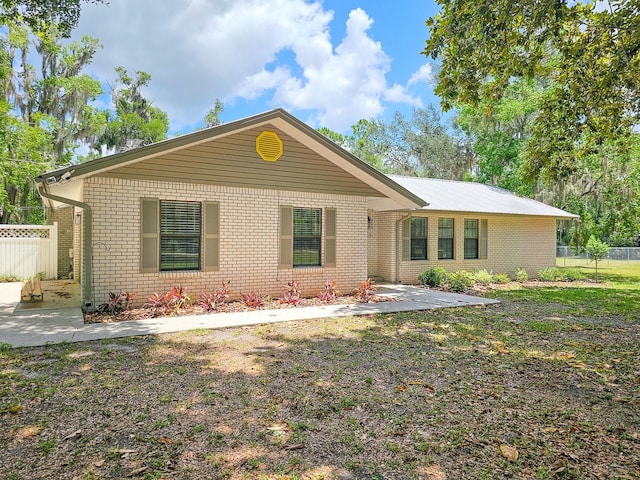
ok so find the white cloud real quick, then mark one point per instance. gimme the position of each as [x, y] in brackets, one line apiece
[423, 75]
[233, 50]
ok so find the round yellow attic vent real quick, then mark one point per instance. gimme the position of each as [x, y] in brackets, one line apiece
[269, 146]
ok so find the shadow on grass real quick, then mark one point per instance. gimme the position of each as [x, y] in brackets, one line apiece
[396, 396]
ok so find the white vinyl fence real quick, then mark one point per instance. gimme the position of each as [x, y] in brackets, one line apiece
[29, 250]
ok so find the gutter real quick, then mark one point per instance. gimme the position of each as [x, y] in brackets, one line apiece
[87, 220]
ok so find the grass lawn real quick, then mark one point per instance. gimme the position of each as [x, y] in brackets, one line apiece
[544, 385]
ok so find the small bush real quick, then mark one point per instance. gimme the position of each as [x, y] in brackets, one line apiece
[521, 275]
[252, 300]
[329, 293]
[461, 280]
[366, 291]
[572, 275]
[291, 294]
[436, 277]
[501, 278]
[483, 277]
[117, 302]
[210, 301]
[549, 274]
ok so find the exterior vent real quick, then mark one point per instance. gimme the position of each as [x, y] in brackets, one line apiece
[269, 146]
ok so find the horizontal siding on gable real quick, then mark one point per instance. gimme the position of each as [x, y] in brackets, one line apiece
[233, 161]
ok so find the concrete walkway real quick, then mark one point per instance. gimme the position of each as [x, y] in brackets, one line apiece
[35, 327]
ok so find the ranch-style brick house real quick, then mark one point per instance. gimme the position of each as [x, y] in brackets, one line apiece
[267, 199]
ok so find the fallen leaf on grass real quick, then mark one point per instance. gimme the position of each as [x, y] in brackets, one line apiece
[295, 446]
[500, 348]
[401, 388]
[424, 384]
[164, 440]
[28, 431]
[137, 471]
[98, 463]
[73, 436]
[508, 452]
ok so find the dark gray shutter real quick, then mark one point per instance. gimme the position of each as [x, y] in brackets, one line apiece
[330, 237]
[286, 237]
[211, 228]
[406, 239]
[149, 227]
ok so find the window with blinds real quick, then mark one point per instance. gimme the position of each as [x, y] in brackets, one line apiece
[445, 238]
[307, 237]
[180, 235]
[471, 235]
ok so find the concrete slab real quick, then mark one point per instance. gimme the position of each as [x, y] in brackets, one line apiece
[21, 328]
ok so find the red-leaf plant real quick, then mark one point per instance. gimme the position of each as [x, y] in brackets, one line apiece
[291, 294]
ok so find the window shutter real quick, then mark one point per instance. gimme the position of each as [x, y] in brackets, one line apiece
[149, 222]
[286, 237]
[330, 237]
[211, 236]
[484, 238]
[406, 239]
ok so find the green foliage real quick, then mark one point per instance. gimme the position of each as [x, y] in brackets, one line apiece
[135, 121]
[589, 59]
[597, 250]
[64, 13]
[501, 278]
[212, 118]
[434, 277]
[572, 274]
[461, 280]
[483, 277]
[550, 274]
[521, 275]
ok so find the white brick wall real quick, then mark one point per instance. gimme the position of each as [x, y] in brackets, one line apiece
[513, 242]
[249, 222]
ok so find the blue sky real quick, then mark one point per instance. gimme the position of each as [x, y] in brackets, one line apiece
[330, 63]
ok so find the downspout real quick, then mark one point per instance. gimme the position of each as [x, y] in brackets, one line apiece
[87, 287]
[399, 246]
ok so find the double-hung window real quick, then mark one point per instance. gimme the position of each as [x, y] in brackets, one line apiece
[445, 238]
[418, 239]
[307, 237]
[471, 236]
[179, 235]
[475, 238]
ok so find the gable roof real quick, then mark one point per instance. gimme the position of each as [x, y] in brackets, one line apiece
[60, 180]
[448, 195]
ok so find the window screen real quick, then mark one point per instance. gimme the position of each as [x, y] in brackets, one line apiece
[445, 238]
[307, 237]
[180, 228]
[470, 238]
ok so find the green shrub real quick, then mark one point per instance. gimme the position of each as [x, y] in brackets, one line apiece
[461, 280]
[436, 277]
[483, 277]
[502, 278]
[549, 274]
[521, 275]
[572, 275]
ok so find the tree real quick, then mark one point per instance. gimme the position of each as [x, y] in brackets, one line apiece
[44, 112]
[135, 120]
[597, 250]
[60, 94]
[589, 57]
[64, 13]
[212, 118]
